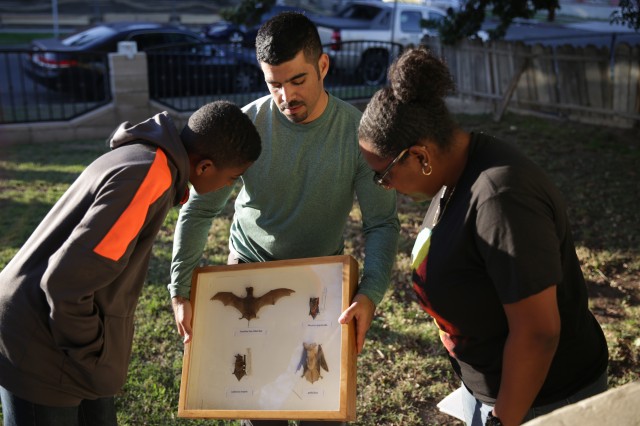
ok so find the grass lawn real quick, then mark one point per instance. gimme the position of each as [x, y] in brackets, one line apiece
[21, 38]
[403, 371]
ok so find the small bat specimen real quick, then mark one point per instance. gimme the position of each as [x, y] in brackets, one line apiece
[312, 360]
[314, 307]
[250, 305]
[240, 366]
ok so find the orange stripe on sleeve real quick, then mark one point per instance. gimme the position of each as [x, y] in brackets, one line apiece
[128, 225]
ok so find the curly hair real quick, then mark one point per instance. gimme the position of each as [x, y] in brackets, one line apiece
[412, 108]
[283, 36]
[221, 132]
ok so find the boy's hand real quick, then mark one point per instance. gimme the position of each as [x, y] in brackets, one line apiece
[182, 313]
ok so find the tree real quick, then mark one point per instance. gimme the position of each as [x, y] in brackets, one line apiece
[467, 21]
[248, 12]
[629, 14]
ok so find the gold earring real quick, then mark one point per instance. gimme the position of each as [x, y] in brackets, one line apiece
[430, 169]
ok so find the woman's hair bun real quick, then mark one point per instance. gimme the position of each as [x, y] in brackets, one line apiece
[418, 76]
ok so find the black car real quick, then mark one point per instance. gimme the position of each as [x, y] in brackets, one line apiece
[203, 68]
[180, 62]
[225, 31]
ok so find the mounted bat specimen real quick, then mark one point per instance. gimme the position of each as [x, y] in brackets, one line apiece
[312, 360]
[250, 305]
[314, 307]
[240, 366]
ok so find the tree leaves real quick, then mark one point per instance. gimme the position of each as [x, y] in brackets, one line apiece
[467, 21]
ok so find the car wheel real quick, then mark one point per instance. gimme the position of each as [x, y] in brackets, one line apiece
[246, 79]
[374, 67]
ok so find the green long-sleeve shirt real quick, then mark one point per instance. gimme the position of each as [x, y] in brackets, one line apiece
[296, 199]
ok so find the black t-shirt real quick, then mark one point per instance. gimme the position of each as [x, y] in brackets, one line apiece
[503, 235]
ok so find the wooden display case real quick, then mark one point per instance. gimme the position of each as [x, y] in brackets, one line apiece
[267, 343]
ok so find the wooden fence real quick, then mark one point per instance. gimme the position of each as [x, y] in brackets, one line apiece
[586, 84]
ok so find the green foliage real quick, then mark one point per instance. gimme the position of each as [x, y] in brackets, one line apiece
[248, 12]
[467, 21]
[629, 14]
[11, 39]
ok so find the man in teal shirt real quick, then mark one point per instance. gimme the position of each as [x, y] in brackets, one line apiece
[296, 198]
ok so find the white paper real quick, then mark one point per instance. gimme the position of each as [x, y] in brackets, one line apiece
[452, 404]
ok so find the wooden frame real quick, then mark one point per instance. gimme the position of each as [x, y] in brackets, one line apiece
[289, 360]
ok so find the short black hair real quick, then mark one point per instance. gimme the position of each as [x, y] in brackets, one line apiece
[221, 132]
[283, 36]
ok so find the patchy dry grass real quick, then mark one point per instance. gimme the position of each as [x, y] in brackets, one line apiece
[403, 372]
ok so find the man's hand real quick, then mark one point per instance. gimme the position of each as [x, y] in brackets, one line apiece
[362, 309]
[182, 313]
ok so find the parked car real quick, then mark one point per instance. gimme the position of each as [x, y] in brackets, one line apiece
[179, 58]
[364, 37]
[225, 31]
[195, 69]
[444, 4]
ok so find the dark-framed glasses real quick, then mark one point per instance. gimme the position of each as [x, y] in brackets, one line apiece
[381, 178]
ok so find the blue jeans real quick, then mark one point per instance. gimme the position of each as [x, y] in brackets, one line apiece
[476, 412]
[19, 412]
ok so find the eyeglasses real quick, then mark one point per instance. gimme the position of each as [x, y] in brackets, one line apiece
[380, 178]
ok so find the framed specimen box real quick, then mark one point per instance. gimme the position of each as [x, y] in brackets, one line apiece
[267, 343]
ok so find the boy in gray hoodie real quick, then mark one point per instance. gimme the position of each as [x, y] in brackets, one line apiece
[68, 297]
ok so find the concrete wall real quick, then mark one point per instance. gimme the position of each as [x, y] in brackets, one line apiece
[618, 406]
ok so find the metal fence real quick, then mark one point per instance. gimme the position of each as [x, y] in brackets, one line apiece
[30, 94]
[586, 84]
[58, 86]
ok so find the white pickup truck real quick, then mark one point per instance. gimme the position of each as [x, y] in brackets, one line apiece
[365, 36]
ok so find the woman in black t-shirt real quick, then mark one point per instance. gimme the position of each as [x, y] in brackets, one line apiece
[495, 262]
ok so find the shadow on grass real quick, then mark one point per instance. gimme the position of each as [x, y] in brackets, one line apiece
[34, 175]
[63, 154]
[19, 219]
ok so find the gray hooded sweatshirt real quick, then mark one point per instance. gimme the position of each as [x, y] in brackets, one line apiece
[68, 297]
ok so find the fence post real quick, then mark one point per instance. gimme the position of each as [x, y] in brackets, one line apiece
[571, 84]
[544, 75]
[526, 89]
[497, 116]
[130, 86]
[625, 82]
[597, 76]
[502, 65]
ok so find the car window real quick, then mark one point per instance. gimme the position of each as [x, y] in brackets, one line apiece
[358, 11]
[86, 37]
[385, 20]
[147, 40]
[435, 16]
[410, 21]
[176, 38]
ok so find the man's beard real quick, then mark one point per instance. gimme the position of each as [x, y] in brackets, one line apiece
[297, 118]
